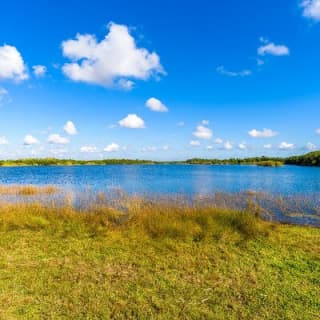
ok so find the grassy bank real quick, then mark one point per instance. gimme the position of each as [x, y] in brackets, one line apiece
[309, 159]
[156, 261]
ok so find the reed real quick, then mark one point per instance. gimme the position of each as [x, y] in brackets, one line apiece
[27, 190]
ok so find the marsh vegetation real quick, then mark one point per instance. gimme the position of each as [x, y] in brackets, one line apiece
[137, 258]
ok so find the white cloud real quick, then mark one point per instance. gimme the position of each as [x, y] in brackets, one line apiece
[150, 149]
[180, 124]
[228, 145]
[57, 139]
[311, 9]
[310, 146]
[70, 128]
[3, 140]
[3, 94]
[125, 84]
[242, 146]
[112, 147]
[195, 143]
[132, 121]
[243, 73]
[318, 131]
[12, 66]
[269, 48]
[156, 105]
[113, 61]
[218, 141]
[265, 133]
[39, 70]
[29, 140]
[286, 146]
[88, 149]
[202, 132]
[165, 148]
[267, 146]
[209, 147]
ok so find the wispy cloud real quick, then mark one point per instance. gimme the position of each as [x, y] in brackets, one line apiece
[242, 73]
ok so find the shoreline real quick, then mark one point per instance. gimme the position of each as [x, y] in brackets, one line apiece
[309, 159]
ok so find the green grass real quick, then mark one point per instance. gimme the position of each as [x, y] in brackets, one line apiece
[158, 261]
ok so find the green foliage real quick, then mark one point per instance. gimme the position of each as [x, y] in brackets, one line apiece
[309, 159]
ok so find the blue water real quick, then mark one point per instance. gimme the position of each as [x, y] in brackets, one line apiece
[290, 194]
[170, 179]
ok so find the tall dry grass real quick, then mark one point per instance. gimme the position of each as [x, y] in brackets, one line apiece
[157, 219]
[27, 190]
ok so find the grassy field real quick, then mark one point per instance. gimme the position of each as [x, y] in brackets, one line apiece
[156, 261]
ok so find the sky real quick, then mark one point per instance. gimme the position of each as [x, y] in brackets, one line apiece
[162, 80]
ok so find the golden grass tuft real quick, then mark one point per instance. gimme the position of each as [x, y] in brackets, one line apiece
[27, 190]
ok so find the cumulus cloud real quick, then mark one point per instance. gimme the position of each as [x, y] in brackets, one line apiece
[265, 133]
[39, 70]
[267, 146]
[12, 66]
[310, 146]
[318, 131]
[269, 48]
[218, 141]
[203, 132]
[156, 105]
[88, 149]
[30, 140]
[227, 145]
[3, 140]
[242, 146]
[195, 143]
[209, 147]
[311, 9]
[70, 128]
[112, 147]
[57, 139]
[242, 73]
[165, 148]
[132, 121]
[115, 60]
[286, 146]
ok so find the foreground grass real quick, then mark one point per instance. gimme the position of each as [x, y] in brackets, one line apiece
[157, 261]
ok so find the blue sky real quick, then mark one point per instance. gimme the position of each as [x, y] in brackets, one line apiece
[159, 79]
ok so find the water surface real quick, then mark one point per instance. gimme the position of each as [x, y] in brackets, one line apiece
[170, 179]
[297, 187]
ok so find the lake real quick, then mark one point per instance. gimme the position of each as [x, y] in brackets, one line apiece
[186, 180]
[170, 179]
